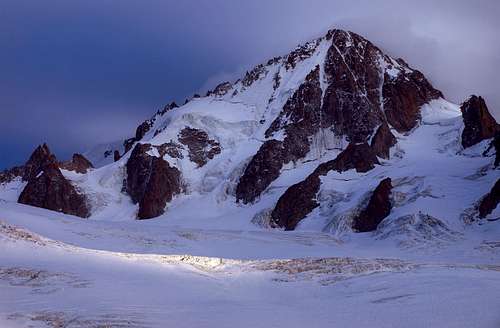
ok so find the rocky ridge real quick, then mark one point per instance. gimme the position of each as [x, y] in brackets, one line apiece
[333, 105]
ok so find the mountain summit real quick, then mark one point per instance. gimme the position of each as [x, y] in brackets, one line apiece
[335, 136]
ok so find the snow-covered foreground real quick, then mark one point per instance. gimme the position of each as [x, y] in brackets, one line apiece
[62, 271]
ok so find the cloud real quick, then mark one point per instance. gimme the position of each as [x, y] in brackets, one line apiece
[78, 71]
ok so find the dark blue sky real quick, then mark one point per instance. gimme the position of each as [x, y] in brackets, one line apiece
[77, 73]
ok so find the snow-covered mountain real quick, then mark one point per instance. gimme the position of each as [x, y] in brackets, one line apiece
[301, 142]
[336, 140]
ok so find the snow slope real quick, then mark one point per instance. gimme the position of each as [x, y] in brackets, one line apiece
[431, 262]
[58, 281]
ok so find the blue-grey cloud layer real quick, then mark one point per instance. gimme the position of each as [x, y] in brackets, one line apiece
[75, 73]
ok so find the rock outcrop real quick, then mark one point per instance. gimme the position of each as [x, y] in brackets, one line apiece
[263, 169]
[378, 208]
[201, 147]
[221, 89]
[479, 124]
[496, 145]
[146, 126]
[490, 201]
[78, 163]
[300, 119]
[140, 132]
[40, 158]
[116, 156]
[300, 199]
[364, 90]
[50, 190]
[151, 181]
[382, 141]
[404, 95]
[11, 174]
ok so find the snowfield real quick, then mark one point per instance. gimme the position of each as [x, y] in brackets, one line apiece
[211, 262]
[62, 271]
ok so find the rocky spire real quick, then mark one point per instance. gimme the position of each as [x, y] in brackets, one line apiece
[479, 124]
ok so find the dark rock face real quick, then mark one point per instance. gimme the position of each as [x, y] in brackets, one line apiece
[356, 156]
[490, 201]
[251, 76]
[300, 118]
[296, 203]
[382, 141]
[352, 98]
[359, 97]
[128, 144]
[116, 156]
[145, 126]
[78, 164]
[167, 108]
[496, 144]
[221, 89]
[171, 149]
[300, 199]
[151, 182]
[11, 174]
[40, 158]
[378, 208]
[201, 147]
[299, 54]
[140, 132]
[357, 85]
[263, 169]
[48, 188]
[478, 122]
[403, 97]
[52, 191]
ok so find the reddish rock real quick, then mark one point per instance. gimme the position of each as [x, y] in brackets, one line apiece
[221, 89]
[263, 169]
[300, 199]
[490, 201]
[358, 99]
[128, 144]
[40, 158]
[403, 97]
[151, 182]
[496, 144]
[251, 76]
[52, 191]
[140, 132]
[296, 203]
[116, 156]
[378, 208]
[299, 54]
[300, 119]
[10, 174]
[78, 164]
[171, 149]
[201, 147]
[352, 99]
[382, 141]
[356, 156]
[478, 122]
